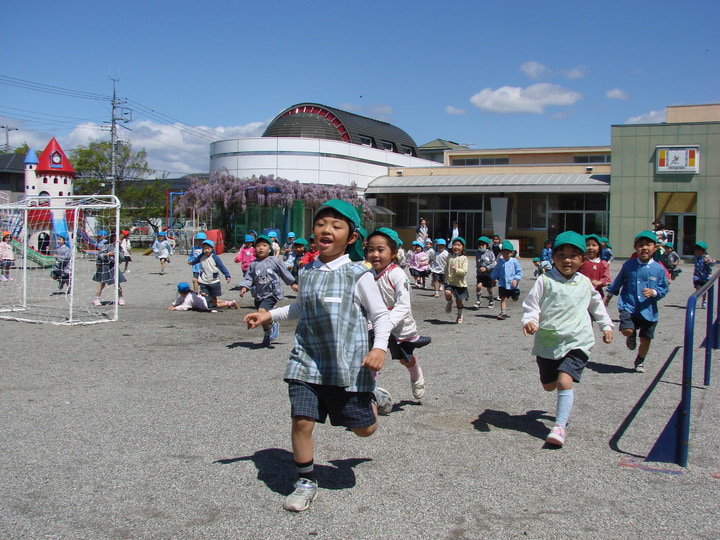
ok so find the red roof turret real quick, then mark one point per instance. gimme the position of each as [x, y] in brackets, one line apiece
[53, 160]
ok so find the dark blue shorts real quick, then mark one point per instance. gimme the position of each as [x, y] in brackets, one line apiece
[316, 401]
[573, 364]
[635, 322]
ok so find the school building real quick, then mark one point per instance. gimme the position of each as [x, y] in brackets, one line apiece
[668, 171]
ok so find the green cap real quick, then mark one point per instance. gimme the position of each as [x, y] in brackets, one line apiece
[386, 231]
[646, 234]
[459, 239]
[263, 238]
[507, 244]
[484, 239]
[343, 208]
[570, 238]
[702, 245]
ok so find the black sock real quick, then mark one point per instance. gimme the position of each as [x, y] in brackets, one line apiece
[306, 470]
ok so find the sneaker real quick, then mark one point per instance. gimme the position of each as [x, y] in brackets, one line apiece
[556, 436]
[448, 306]
[121, 301]
[631, 342]
[384, 401]
[274, 330]
[232, 304]
[704, 305]
[96, 302]
[478, 304]
[459, 319]
[639, 367]
[300, 499]
[502, 316]
[418, 387]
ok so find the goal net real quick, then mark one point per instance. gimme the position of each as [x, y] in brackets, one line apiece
[57, 251]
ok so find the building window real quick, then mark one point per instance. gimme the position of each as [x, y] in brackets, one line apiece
[602, 158]
[495, 161]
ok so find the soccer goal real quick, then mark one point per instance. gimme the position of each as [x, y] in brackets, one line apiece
[58, 252]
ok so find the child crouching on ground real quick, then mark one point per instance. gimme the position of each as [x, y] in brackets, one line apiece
[556, 312]
[392, 281]
[331, 369]
[209, 279]
[188, 300]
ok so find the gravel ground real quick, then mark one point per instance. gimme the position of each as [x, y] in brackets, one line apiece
[176, 425]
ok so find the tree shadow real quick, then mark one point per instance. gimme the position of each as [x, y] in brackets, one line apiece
[276, 469]
[608, 368]
[530, 422]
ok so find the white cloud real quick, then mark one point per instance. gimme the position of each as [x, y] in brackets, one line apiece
[533, 99]
[616, 93]
[578, 72]
[174, 149]
[535, 70]
[652, 117]
[455, 111]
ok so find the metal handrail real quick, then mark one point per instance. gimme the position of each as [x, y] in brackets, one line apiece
[712, 341]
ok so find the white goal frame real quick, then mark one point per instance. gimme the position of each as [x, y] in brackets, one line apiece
[26, 299]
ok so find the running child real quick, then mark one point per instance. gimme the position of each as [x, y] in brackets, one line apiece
[508, 274]
[641, 283]
[556, 312]
[392, 281]
[703, 268]
[7, 256]
[188, 300]
[597, 270]
[196, 251]
[163, 250]
[60, 271]
[246, 254]
[331, 369]
[209, 277]
[484, 263]
[263, 280]
[456, 271]
[437, 266]
[419, 264]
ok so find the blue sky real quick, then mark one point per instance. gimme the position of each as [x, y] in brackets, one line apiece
[488, 74]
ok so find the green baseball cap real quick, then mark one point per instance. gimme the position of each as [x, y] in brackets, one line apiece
[570, 238]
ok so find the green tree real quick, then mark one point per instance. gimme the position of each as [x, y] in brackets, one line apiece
[93, 163]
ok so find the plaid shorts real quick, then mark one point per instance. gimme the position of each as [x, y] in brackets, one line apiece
[317, 401]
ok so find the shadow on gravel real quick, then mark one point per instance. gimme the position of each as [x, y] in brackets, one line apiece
[530, 422]
[276, 469]
[608, 368]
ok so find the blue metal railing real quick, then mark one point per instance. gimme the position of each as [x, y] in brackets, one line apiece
[712, 341]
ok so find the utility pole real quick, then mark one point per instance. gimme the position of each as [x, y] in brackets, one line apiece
[8, 129]
[119, 114]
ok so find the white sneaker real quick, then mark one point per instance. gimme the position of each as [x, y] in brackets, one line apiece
[300, 499]
[418, 387]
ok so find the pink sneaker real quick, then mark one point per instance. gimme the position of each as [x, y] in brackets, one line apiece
[556, 436]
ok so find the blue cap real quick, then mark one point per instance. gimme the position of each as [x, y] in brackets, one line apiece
[209, 243]
[183, 286]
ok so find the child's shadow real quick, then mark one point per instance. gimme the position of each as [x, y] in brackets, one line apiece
[608, 368]
[276, 468]
[529, 423]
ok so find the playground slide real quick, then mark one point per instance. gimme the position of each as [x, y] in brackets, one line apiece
[44, 261]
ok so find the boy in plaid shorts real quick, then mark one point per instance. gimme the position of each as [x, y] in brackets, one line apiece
[332, 366]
